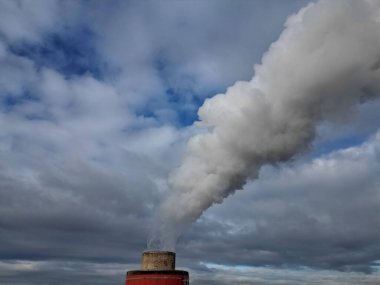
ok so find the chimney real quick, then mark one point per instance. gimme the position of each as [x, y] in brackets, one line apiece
[157, 268]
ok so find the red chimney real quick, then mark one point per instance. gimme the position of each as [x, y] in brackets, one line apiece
[157, 268]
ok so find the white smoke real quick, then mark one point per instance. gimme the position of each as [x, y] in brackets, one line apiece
[325, 62]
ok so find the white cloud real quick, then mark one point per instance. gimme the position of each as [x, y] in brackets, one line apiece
[27, 21]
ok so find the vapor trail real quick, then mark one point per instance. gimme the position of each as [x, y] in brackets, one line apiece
[325, 63]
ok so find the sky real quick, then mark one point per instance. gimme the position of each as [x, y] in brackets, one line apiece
[97, 102]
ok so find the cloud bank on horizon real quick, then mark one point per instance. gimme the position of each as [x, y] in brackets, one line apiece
[95, 113]
[324, 64]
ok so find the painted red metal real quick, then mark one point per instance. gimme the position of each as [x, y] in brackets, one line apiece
[174, 277]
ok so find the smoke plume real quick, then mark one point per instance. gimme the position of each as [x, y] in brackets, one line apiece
[326, 62]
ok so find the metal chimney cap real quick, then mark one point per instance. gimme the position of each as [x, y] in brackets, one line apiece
[158, 261]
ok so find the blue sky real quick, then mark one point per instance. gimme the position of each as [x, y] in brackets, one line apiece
[97, 102]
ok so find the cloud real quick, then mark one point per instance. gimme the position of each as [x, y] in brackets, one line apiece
[26, 21]
[72, 165]
[269, 276]
[89, 133]
[319, 214]
[60, 272]
[178, 53]
[304, 79]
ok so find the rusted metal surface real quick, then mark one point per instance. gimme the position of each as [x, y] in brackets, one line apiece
[158, 260]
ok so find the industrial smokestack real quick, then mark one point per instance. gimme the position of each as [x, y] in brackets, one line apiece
[157, 268]
[158, 260]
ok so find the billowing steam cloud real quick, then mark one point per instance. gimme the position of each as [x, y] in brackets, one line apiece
[326, 61]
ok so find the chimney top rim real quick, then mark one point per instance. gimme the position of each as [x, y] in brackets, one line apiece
[158, 251]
